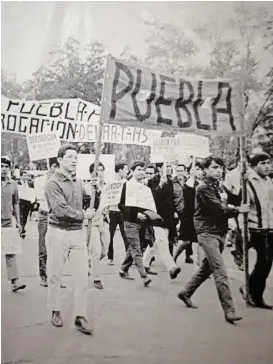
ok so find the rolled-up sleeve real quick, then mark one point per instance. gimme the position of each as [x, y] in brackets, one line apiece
[58, 205]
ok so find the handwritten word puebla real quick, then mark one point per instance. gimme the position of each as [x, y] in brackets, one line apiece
[142, 96]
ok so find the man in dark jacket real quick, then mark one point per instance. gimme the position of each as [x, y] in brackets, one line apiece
[211, 223]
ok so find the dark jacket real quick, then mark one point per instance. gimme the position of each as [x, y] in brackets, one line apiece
[163, 200]
[178, 197]
[211, 215]
[187, 229]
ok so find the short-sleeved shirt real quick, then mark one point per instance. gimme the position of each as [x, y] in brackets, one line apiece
[9, 198]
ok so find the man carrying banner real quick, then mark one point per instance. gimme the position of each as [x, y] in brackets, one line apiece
[115, 215]
[136, 199]
[65, 237]
[211, 223]
[9, 205]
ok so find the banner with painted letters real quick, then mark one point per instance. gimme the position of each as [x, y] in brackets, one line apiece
[74, 120]
[43, 145]
[142, 97]
[176, 148]
[111, 194]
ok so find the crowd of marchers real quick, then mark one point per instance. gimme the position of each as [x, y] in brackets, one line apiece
[163, 210]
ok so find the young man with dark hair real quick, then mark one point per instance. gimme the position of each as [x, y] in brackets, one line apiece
[260, 224]
[65, 237]
[39, 185]
[9, 205]
[211, 223]
[100, 230]
[134, 220]
[115, 216]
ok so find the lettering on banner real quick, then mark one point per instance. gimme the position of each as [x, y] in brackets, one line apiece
[141, 96]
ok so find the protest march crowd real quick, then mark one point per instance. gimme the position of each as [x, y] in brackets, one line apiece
[162, 209]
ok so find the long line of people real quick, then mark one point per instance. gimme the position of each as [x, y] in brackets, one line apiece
[157, 212]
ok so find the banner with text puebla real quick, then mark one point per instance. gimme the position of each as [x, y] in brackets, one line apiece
[141, 97]
[74, 120]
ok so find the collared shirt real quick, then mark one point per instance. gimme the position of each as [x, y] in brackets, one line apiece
[64, 197]
[9, 198]
[260, 201]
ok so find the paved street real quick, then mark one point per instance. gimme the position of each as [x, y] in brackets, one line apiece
[132, 324]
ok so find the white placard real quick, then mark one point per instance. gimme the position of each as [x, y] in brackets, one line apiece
[176, 148]
[26, 193]
[139, 195]
[43, 145]
[10, 241]
[111, 194]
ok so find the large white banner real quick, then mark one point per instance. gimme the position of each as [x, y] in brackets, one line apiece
[144, 98]
[73, 120]
[43, 145]
[176, 148]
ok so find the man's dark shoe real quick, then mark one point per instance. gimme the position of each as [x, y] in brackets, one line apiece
[43, 282]
[98, 285]
[231, 317]
[262, 304]
[152, 260]
[188, 302]
[125, 275]
[82, 325]
[174, 272]
[57, 319]
[149, 271]
[189, 260]
[15, 286]
[250, 301]
[147, 281]
[63, 285]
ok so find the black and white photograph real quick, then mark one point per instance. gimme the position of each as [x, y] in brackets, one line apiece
[137, 182]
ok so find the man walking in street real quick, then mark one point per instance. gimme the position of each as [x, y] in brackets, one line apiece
[133, 204]
[25, 205]
[65, 237]
[115, 216]
[39, 185]
[211, 223]
[9, 206]
[260, 224]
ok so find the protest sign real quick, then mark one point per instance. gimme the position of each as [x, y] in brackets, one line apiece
[43, 145]
[72, 120]
[10, 241]
[144, 98]
[84, 161]
[139, 195]
[176, 148]
[111, 194]
[26, 193]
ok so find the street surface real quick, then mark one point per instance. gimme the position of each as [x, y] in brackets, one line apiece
[132, 324]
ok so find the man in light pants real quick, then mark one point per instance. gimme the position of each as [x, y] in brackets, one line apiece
[162, 245]
[100, 236]
[65, 237]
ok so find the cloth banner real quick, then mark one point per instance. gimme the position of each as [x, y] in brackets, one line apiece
[10, 241]
[142, 97]
[173, 149]
[73, 120]
[139, 195]
[43, 145]
[111, 194]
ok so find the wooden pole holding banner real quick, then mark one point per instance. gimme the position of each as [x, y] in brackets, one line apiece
[96, 163]
[47, 163]
[244, 195]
